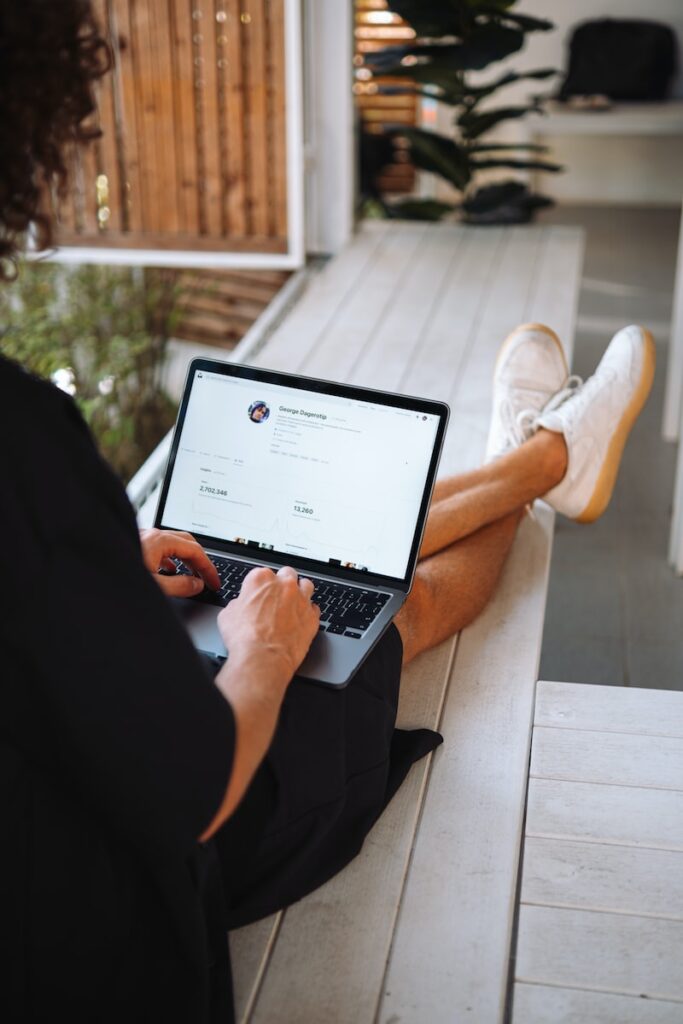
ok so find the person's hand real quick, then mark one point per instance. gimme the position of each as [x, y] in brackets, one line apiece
[273, 618]
[159, 546]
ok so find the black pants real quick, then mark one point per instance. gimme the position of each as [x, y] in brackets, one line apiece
[335, 762]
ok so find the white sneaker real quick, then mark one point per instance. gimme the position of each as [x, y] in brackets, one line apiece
[596, 421]
[531, 367]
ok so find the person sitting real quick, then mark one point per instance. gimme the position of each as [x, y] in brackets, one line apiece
[149, 801]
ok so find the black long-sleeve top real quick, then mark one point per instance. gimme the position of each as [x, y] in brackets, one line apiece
[115, 745]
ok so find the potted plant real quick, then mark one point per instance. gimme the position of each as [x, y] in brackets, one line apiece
[453, 39]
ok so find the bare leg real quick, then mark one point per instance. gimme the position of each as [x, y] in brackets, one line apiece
[463, 504]
[452, 587]
[472, 523]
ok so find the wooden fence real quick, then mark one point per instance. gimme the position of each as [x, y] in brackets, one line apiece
[193, 147]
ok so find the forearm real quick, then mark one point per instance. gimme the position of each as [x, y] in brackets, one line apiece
[254, 685]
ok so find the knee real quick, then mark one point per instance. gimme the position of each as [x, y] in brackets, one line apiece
[415, 621]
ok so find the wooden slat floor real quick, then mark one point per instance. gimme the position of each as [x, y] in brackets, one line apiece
[601, 909]
[418, 927]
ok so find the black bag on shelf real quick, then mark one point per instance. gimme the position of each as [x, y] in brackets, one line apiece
[625, 60]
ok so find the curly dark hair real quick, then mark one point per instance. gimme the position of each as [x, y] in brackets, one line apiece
[51, 53]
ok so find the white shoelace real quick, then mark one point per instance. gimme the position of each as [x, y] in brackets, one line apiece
[523, 425]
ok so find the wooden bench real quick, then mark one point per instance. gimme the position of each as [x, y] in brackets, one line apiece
[601, 916]
[418, 927]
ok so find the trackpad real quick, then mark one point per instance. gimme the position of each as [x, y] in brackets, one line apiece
[201, 622]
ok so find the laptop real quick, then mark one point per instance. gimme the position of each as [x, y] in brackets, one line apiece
[273, 469]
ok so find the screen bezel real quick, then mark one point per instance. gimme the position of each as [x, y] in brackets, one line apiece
[296, 381]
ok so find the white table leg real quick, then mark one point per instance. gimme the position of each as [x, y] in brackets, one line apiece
[671, 423]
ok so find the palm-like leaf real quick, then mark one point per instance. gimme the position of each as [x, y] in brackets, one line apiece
[523, 21]
[509, 78]
[496, 147]
[520, 164]
[485, 45]
[436, 153]
[459, 36]
[473, 125]
[432, 18]
[503, 194]
[420, 209]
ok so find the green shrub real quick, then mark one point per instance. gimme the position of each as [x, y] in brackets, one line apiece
[100, 333]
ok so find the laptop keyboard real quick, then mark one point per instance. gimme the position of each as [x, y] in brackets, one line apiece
[345, 610]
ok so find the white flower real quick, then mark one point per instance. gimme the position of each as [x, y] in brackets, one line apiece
[65, 379]
[106, 385]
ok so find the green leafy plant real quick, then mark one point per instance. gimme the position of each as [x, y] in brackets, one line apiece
[100, 333]
[453, 39]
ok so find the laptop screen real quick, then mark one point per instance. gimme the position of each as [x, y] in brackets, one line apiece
[332, 478]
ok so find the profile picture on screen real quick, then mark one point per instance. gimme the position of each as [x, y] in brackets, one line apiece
[258, 412]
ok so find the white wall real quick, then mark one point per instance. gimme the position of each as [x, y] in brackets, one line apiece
[613, 168]
[550, 48]
[330, 144]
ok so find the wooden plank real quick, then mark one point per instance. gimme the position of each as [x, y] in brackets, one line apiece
[317, 309]
[277, 118]
[438, 358]
[253, 41]
[250, 949]
[352, 329]
[88, 177]
[514, 282]
[66, 205]
[107, 153]
[637, 956]
[144, 97]
[605, 814]
[259, 279]
[450, 952]
[184, 100]
[165, 241]
[228, 339]
[200, 322]
[591, 876]
[342, 932]
[221, 307]
[611, 758]
[164, 168]
[125, 82]
[521, 269]
[225, 288]
[559, 275]
[609, 709]
[263, 277]
[211, 179]
[539, 1004]
[390, 350]
[470, 400]
[235, 197]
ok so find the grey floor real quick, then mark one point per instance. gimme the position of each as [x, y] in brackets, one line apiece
[615, 609]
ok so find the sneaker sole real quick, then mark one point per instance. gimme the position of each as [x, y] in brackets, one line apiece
[608, 474]
[531, 327]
